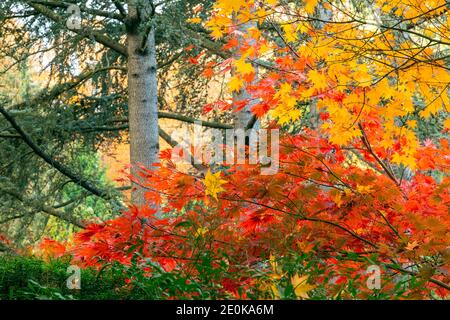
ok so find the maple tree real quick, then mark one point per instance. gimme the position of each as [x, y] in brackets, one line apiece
[318, 204]
[357, 184]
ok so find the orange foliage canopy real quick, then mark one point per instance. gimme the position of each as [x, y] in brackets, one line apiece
[319, 202]
[341, 192]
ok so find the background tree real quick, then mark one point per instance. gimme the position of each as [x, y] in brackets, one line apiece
[87, 102]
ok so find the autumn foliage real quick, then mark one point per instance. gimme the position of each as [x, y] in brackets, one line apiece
[337, 213]
[359, 187]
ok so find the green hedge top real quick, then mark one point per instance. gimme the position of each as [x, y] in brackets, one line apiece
[30, 278]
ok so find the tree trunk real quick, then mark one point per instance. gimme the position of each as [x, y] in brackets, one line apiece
[142, 91]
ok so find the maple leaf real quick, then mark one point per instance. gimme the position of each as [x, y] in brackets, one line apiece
[213, 183]
[201, 232]
[51, 248]
[208, 73]
[260, 109]
[230, 6]
[232, 43]
[277, 272]
[289, 33]
[194, 20]
[412, 245]
[216, 33]
[301, 286]
[318, 79]
[411, 123]
[447, 124]
[364, 189]
[243, 67]
[310, 5]
[235, 84]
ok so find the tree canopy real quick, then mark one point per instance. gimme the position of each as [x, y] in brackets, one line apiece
[358, 91]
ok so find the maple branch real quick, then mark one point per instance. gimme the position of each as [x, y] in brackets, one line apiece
[208, 44]
[361, 158]
[337, 225]
[286, 43]
[433, 280]
[393, 267]
[218, 50]
[327, 167]
[389, 224]
[171, 233]
[352, 233]
[303, 217]
[369, 148]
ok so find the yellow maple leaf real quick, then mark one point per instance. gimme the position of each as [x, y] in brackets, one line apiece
[318, 79]
[194, 20]
[275, 291]
[201, 232]
[339, 130]
[213, 183]
[276, 269]
[230, 6]
[243, 67]
[310, 5]
[275, 276]
[289, 32]
[301, 286]
[235, 84]
[216, 33]
[338, 199]
[447, 123]
[407, 160]
[411, 123]
[364, 189]
[303, 28]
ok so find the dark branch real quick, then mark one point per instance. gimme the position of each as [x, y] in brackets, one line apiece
[100, 38]
[83, 8]
[53, 162]
[45, 208]
[120, 7]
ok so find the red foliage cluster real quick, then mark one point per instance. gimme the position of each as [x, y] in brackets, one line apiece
[319, 201]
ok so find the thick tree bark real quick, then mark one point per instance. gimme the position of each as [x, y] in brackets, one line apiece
[142, 91]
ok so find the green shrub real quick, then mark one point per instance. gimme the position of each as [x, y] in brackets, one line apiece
[31, 278]
[27, 278]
